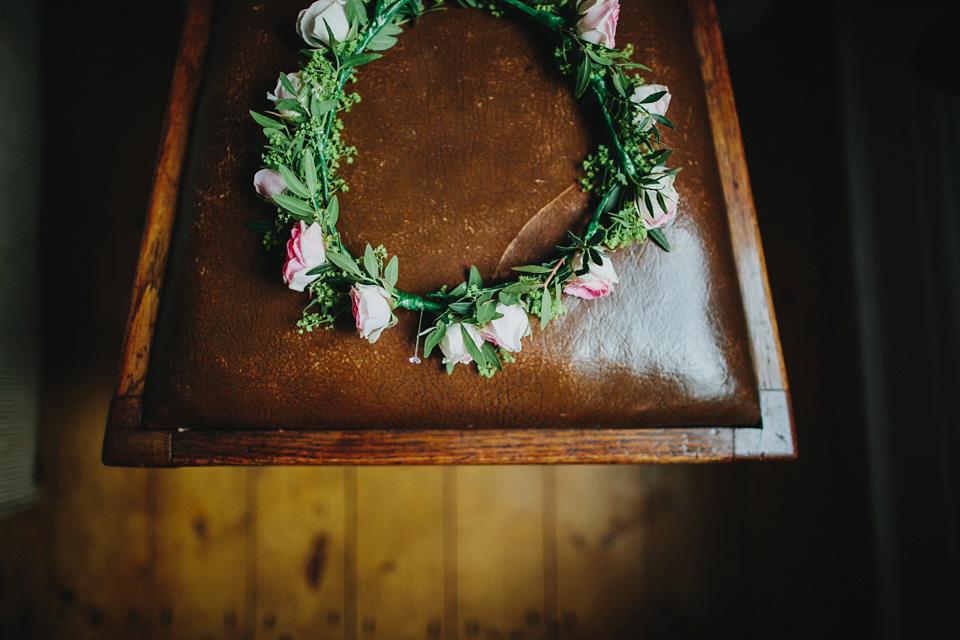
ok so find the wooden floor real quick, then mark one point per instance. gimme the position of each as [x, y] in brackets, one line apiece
[287, 553]
[442, 552]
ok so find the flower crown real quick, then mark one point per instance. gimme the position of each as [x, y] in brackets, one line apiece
[473, 321]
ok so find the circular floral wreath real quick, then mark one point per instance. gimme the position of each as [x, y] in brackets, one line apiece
[473, 322]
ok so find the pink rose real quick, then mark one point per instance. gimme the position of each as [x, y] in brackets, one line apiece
[659, 216]
[659, 107]
[598, 21]
[372, 309]
[305, 251]
[597, 282]
[506, 332]
[280, 93]
[453, 347]
[269, 183]
[312, 22]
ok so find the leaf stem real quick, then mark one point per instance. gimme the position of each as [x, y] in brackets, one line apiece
[551, 20]
[546, 282]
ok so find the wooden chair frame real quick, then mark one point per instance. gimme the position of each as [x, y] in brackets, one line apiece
[127, 444]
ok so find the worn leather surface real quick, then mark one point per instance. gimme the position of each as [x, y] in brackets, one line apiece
[466, 132]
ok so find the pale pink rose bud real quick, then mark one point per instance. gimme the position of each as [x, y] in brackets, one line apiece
[597, 282]
[280, 92]
[269, 183]
[453, 347]
[311, 21]
[659, 106]
[506, 332]
[598, 21]
[305, 251]
[658, 216]
[372, 309]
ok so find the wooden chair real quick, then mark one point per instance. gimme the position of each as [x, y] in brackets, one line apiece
[681, 363]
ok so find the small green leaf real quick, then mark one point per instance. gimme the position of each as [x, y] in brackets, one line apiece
[370, 262]
[660, 201]
[618, 85]
[392, 271]
[486, 311]
[545, 302]
[474, 280]
[266, 121]
[298, 208]
[289, 104]
[471, 346]
[529, 268]
[344, 261]
[381, 42]
[434, 339]
[509, 299]
[286, 84]
[333, 212]
[320, 108]
[293, 182]
[612, 198]
[356, 12]
[450, 366]
[653, 97]
[490, 353]
[459, 290]
[461, 308]
[583, 77]
[310, 172]
[662, 120]
[521, 287]
[318, 270]
[657, 236]
[598, 57]
[359, 59]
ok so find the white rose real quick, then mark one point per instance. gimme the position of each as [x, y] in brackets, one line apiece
[506, 332]
[269, 183]
[372, 309]
[598, 21]
[280, 92]
[659, 216]
[659, 106]
[597, 282]
[453, 347]
[312, 20]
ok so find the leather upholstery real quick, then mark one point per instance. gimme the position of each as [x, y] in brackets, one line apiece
[465, 132]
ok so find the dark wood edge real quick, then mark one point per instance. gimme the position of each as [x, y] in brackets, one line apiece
[504, 446]
[158, 227]
[125, 444]
[777, 437]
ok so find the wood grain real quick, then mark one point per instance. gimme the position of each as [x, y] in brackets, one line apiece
[500, 541]
[202, 564]
[400, 572]
[299, 553]
[451, 447]
[601, 528]
[94, 591]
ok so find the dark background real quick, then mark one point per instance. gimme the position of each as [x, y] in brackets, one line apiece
[851, 124]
